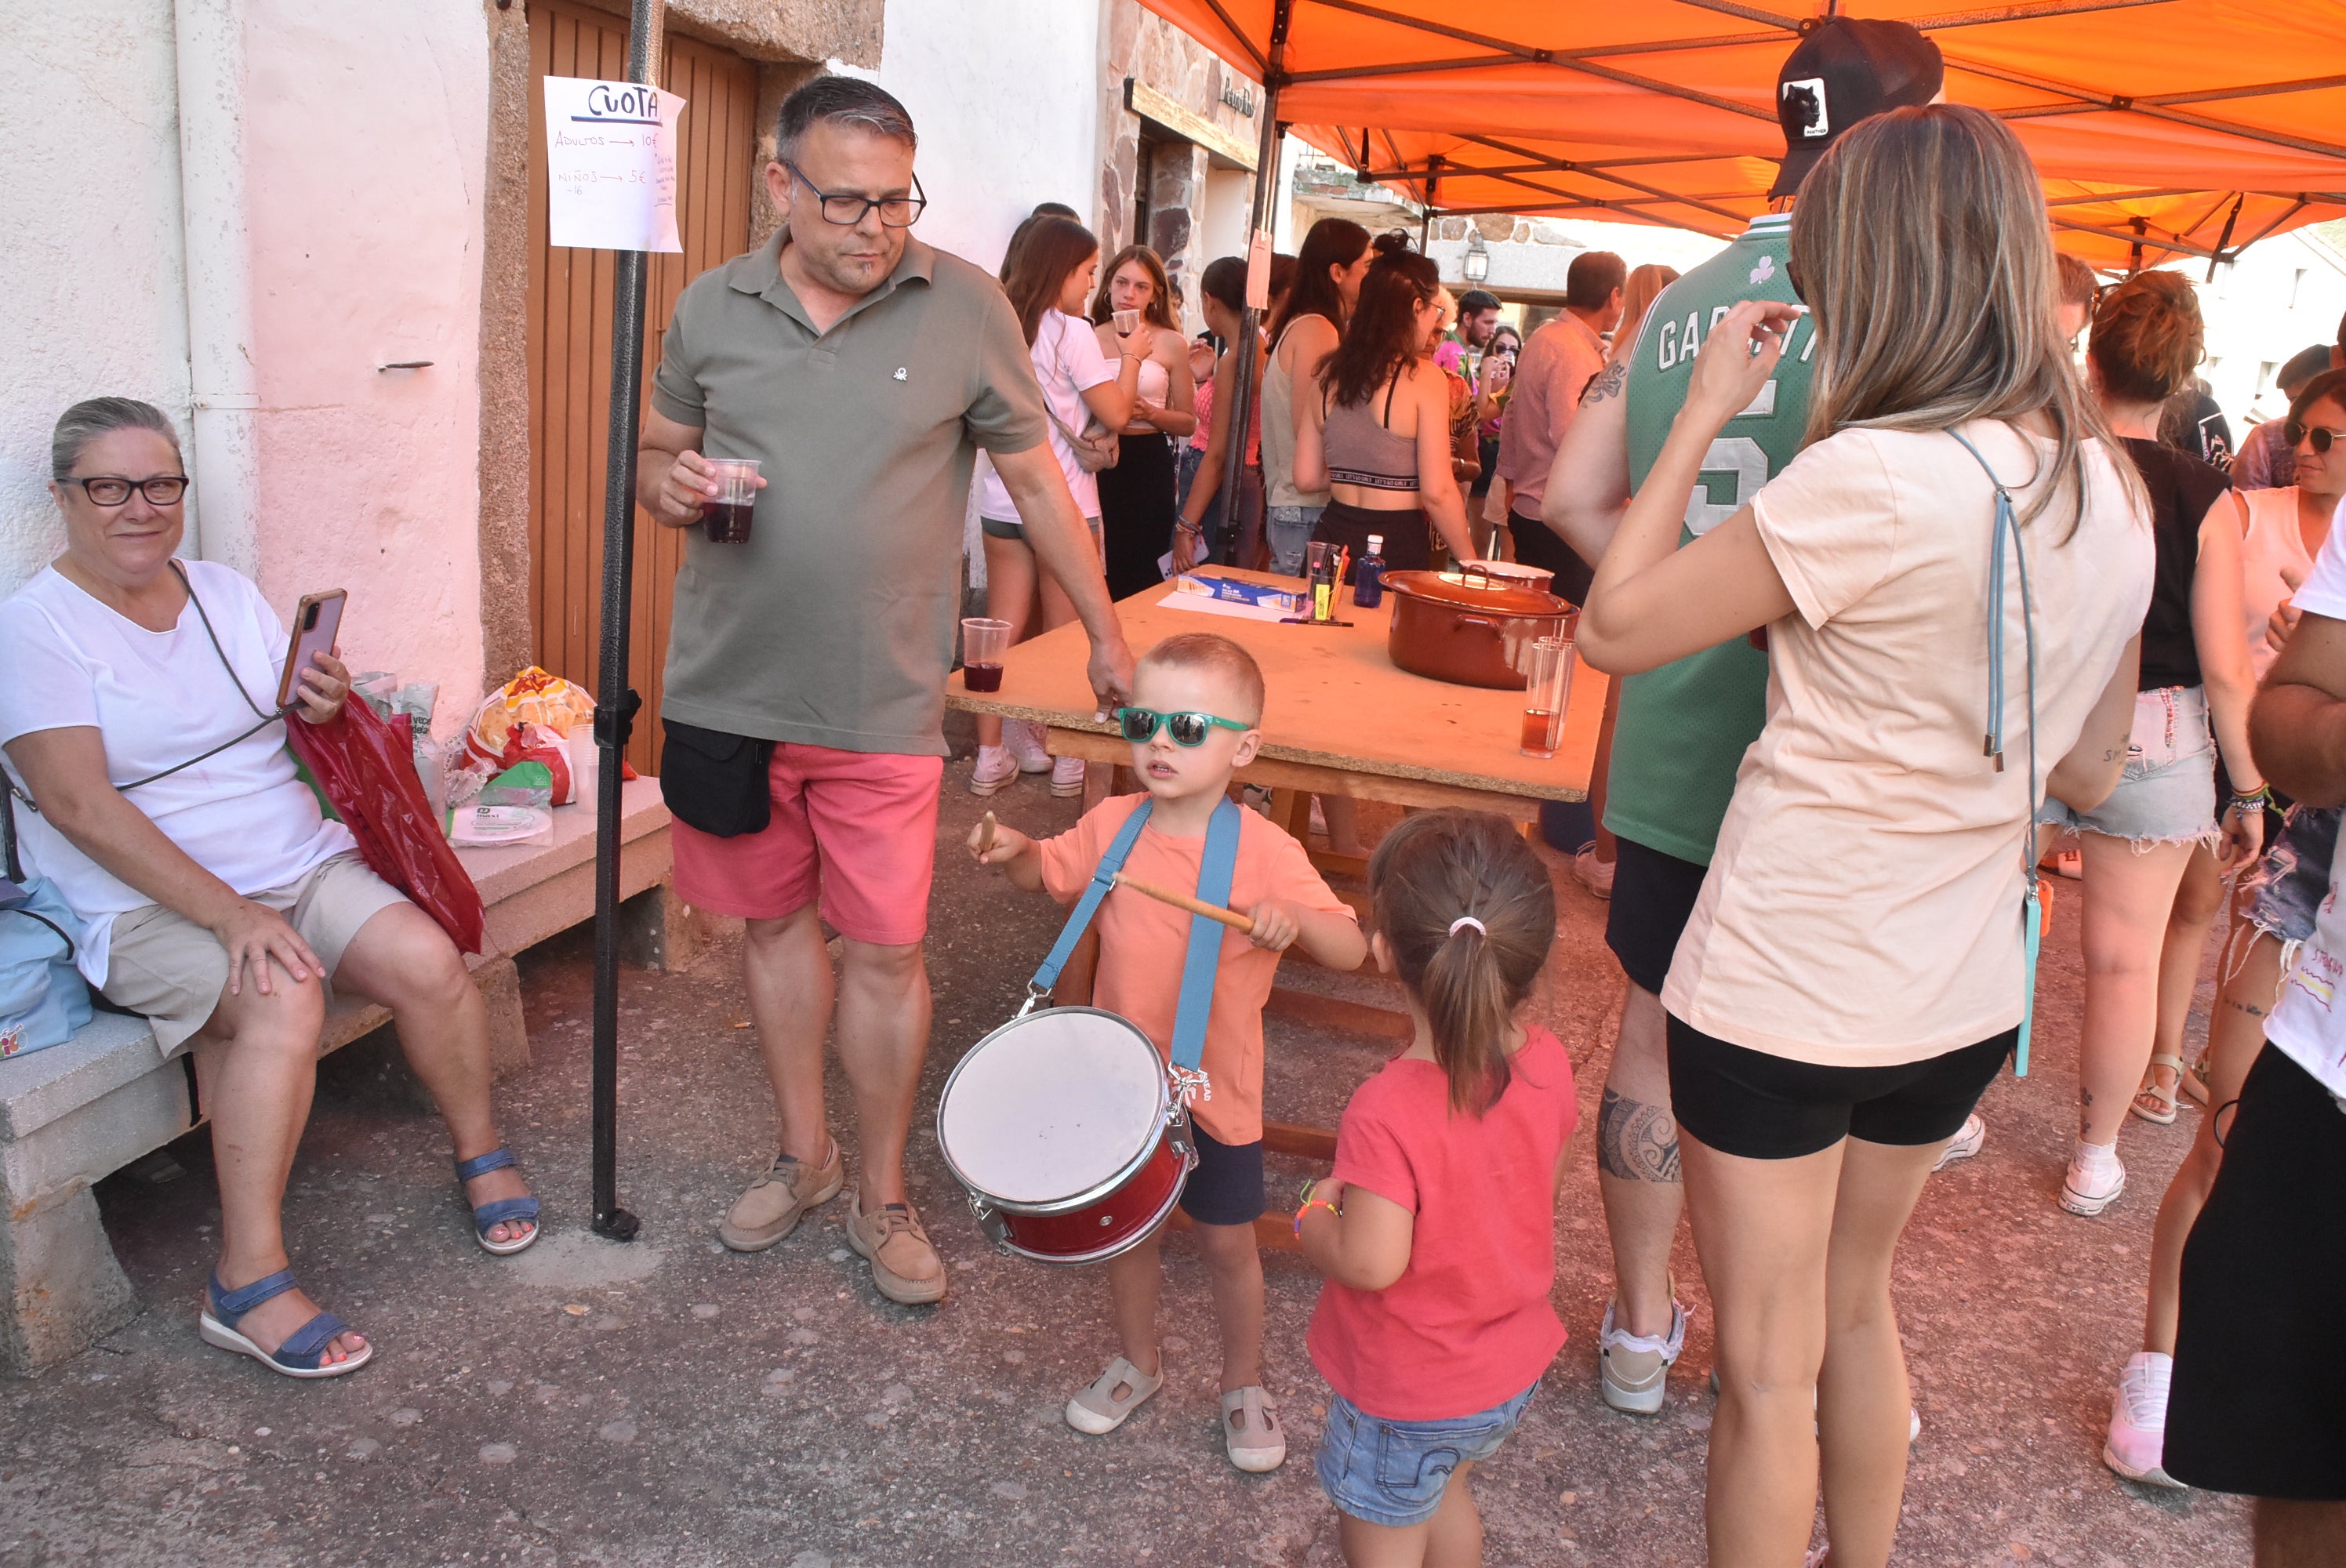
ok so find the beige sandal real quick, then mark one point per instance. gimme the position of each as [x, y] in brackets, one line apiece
[2152, 1103]
[1251, 1430]
[1100, 1409]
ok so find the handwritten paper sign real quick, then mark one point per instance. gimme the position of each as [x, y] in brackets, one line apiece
[610, 158]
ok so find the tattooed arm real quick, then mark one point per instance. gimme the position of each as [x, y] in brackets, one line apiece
[1588, 486]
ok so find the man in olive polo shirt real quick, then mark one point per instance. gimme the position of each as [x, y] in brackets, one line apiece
[806, 667]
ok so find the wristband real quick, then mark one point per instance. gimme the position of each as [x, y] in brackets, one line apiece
[1309, 1206]
[1183, 526]
[2256, 800]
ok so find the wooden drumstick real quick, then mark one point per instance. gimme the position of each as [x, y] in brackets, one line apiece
[985, 835]
[1230, 918]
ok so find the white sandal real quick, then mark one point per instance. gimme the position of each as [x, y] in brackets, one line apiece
[2163, 1098]
[1251, 1430]
[1097, 1410]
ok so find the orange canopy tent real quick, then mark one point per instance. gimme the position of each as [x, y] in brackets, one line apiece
[2161, 127]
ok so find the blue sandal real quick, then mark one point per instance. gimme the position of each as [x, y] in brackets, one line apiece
[302, 1353]
[497, 1211]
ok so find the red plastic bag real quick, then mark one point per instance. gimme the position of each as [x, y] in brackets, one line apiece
[367, 767]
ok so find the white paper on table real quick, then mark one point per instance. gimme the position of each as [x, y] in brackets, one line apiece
[610, 157]
[1207, 604]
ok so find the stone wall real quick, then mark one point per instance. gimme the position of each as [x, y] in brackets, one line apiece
[1144, 46]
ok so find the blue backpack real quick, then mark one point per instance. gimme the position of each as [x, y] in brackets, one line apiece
[43, 997]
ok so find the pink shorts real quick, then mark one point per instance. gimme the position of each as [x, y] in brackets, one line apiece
[861, 826]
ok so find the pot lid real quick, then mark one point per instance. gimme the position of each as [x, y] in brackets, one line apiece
[1478, 594]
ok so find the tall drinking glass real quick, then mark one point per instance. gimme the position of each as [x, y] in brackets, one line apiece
[983, 644]
[1545, 695]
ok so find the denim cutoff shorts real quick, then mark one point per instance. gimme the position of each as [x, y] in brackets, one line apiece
[2168, 792]
[2293, 877]
[1395, 1472]
[1289, 529]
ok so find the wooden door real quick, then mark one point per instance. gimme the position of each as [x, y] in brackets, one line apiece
[569, 336]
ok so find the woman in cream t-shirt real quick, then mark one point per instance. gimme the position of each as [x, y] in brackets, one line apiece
[1854, 972]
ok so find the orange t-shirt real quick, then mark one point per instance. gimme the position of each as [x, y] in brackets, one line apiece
[1142, 943]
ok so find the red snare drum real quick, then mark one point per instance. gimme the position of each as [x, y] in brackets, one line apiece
[1061, 1125]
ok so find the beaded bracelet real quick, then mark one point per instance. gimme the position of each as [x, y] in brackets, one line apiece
[1307, 1207]
[2257, 800]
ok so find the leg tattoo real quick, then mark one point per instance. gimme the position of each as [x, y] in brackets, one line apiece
[1635, 1141]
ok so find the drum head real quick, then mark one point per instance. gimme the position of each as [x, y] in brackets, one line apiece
[1051, 1105]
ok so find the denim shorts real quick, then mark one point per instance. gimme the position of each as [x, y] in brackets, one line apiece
[1395, 1472]
[1289, 529]
[2293, 877]
[2168, 792]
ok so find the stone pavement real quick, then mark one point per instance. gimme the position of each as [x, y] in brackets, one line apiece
[669, 1402]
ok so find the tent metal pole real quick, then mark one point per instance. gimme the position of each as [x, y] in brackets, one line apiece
[615, 704]
[1266, 182]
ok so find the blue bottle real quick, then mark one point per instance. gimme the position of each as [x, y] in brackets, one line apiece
[1369, 577]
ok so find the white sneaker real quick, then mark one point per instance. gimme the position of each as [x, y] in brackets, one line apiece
[1024, 741]
[996, 771]
[1965, 1144]
[1067, 777]
[1633, 1370]
[2138, 1440]
[2096, 1178]
[1593, 874]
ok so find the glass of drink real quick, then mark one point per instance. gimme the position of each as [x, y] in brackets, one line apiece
[1127, 322]
[983, 644]
[1546, 691]
[725, 516]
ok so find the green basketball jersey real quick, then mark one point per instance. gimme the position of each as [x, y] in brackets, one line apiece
[1683, 728]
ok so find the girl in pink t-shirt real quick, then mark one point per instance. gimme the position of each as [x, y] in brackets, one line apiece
[1437, 1232]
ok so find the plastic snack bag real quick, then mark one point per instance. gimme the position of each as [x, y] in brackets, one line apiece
[533, 696]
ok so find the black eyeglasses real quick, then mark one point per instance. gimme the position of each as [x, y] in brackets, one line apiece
[2321, 437]
[1140, 726]
[112, 490]
[847, 208]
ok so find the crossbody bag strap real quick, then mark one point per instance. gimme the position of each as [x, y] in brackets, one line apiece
[62, 936]
[1079, 919]
[2007, 526]
[1215, 869]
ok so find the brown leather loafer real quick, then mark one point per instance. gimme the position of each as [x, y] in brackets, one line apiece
[904, 1266]
[779, 1200]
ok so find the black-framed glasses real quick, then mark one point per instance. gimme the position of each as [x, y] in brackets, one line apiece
[1140, 726]
[847, 208]
[113, 490]
[2321, 437]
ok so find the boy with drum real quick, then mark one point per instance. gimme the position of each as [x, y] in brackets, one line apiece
[1197, 699]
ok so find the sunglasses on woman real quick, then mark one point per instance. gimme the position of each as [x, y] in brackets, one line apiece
[2321, 437]
[1140, 726]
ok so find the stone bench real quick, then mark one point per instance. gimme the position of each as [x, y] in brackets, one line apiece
[74, 1114]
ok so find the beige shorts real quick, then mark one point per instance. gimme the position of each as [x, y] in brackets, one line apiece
[171, 971]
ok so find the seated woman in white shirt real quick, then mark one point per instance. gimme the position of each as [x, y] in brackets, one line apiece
[216, 900]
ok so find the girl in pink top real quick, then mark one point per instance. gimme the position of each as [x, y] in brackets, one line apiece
[1437, 1232]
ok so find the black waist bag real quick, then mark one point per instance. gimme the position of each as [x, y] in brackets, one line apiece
[716, 782]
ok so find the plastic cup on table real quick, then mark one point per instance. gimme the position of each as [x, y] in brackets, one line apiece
[725, 516]
[983, 644]
[1548, 690]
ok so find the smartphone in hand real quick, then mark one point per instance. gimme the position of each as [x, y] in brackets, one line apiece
[317, 622]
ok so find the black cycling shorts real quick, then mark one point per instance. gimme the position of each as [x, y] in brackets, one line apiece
[1762, 1107]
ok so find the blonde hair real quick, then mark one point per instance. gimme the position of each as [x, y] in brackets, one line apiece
[1218, 654]
[1637, 296]
[2147, 337]
[1920, 242]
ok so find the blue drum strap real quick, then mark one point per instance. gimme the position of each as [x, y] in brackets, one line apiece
[1215, 870]
[1079, 919]
[2032, 919]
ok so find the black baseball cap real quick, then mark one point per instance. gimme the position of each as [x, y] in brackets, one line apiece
[1847, 69]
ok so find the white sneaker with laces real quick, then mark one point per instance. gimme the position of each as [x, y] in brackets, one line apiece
[1965, 1144]
[2096, 1178]
[1024, 741]
[995, 770]
[1067, 777]
[1593, 874]
[2138, 1440]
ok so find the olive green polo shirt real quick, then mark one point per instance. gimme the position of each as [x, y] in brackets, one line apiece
[834, 626]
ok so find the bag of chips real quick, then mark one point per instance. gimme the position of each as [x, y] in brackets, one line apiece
[531, 697]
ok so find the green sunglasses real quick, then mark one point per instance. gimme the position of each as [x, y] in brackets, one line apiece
[1140, 726]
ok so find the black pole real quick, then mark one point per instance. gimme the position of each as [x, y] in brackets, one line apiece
[615, 704]
[1266, 181]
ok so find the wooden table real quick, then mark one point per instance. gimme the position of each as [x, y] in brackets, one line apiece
[1339, 720]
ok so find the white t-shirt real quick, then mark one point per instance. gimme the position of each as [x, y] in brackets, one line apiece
[2306, 1024]
[1863, 908]
[1068, 363]
[157, 699]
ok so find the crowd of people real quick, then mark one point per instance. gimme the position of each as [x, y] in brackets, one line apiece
[1959, 599]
